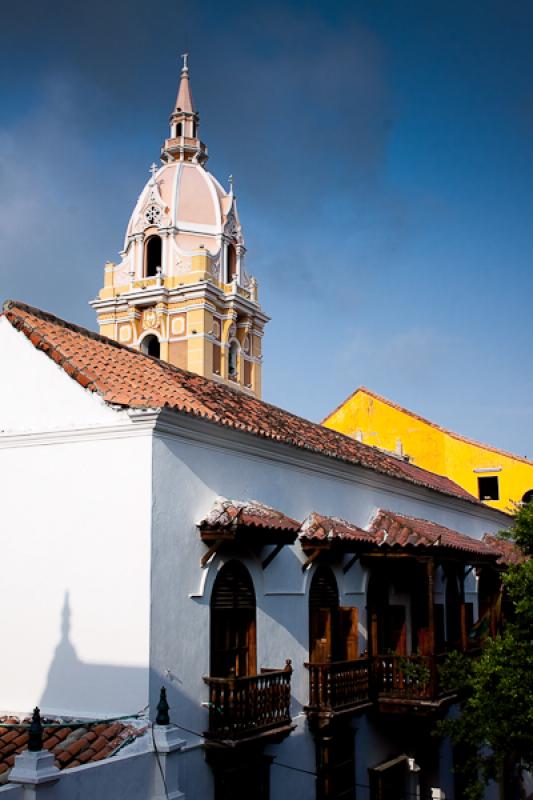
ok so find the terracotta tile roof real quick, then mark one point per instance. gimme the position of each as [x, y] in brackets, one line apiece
[396, 531]
[232, 514]
[436, 426]
[510, 553]
[125, 377]
[318, 528]
[71, 745]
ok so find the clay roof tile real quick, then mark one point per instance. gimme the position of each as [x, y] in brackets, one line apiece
[128, 378]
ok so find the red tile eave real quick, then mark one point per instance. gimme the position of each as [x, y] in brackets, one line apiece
[398, 532]
[233, 517]
[125, 377]
[319, 529]
[509, 552]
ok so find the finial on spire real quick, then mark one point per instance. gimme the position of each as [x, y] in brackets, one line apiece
[153, 170]
[230, 179]
[185, 67]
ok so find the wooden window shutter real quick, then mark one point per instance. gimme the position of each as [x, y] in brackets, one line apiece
[349, 633]
[323, 609]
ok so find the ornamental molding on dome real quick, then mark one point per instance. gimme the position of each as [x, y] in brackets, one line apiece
[153, 211]
[232, 227]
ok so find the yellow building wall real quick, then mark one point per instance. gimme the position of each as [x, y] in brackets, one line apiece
[378, 423]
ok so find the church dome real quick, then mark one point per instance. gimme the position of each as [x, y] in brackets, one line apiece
[186, 198]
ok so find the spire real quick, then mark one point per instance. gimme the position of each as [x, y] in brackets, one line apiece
[184, 101]
[184, 143]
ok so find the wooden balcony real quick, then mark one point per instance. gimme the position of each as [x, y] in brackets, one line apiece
[242, 709]
[403, 682]
[338, 687]
[394, 683]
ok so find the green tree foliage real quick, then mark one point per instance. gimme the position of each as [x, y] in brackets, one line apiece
[495, 725]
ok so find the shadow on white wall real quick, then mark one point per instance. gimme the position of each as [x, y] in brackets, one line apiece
[77, 688]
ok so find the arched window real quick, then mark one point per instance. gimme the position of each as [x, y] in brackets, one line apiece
[233, 361]
[232, 262]
[233, 649]
[150, 346]
[178, 129]
[528, 497]
[323, 616]
[152, 256]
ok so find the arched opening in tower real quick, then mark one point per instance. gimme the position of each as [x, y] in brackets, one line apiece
[179, 130]
[233, 362]
[152, 256]
[150, 346]
[232, 262]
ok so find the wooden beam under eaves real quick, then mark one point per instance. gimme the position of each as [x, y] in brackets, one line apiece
[272, 555]
[314, 555]
[206, 558]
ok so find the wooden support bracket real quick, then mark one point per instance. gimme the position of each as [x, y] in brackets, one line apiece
[210, 553]
[314, 555]
[350, 563]
[272, 555]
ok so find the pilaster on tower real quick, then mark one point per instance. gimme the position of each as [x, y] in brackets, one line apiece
[181, 291]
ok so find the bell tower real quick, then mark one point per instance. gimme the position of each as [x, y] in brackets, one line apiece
[181, 291]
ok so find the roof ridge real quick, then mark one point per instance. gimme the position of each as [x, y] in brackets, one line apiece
[164, 385]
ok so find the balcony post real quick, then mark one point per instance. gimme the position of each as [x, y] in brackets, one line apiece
[430, 572]
[462, 611]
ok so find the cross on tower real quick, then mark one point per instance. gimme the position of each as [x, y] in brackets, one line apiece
[185, 56]
[153, 170]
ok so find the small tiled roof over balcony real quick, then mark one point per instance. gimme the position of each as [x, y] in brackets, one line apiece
[231, 516]
[395, 533]
[399, 532]
[317, 528]
[70, 744]
[510, 553]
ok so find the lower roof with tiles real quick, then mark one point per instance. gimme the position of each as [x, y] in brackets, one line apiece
[128, 378]
[70, 744]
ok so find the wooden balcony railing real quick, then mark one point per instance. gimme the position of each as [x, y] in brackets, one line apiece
[412, 677]
[338, 685]
[343, 686]
[241, 708]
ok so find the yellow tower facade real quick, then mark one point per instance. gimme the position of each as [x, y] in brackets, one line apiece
[180, 291]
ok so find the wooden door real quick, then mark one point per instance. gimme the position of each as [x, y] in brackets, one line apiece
[388, 781]
[396, 630]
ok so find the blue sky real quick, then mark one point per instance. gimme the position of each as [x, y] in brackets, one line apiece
[383, 162]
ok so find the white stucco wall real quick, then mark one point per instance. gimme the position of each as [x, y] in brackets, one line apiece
[37, 395]
[75, 543]
[194, 465]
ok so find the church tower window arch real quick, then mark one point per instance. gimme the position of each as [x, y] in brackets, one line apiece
[232, 261]
[152, 255]
[233, 359]
[151, 346]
